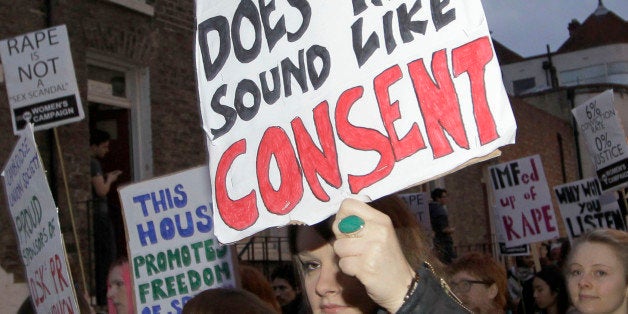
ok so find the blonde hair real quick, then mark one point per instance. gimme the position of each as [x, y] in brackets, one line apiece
[617, 240]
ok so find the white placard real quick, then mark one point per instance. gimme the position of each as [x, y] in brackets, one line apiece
[523, 203]
[584, 207]
[40, 79]
[606, 140]
[418, 204]
[307, 103]
[173, 252]
[36, 221]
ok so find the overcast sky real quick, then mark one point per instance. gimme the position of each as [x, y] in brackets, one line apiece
[527, 26]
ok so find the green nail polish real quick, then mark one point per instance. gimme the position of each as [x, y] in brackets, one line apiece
[350, 224]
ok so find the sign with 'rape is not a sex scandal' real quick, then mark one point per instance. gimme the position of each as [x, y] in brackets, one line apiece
[305, 103]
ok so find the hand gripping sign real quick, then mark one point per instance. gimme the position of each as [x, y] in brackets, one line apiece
[305, 103]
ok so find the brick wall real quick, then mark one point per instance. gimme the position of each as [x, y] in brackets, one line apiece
[537, 133]
[163, 43]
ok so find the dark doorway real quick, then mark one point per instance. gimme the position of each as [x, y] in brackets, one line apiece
[116, 121]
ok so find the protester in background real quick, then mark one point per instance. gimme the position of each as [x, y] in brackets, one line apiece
[104, 238]
[255, 282]
[287, 289]
[365, 259]
[226, 301]
[558, 251]
[480, 283]
[119, 288]
[597, 272]
[520, 284]
[550, 292]
[439, 218]
[554, 253]
[543, 250]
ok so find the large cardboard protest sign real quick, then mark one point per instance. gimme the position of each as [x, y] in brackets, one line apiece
[500, 234]
[307, 103]
[584, 207]
[36, 222]
[523, 204]
[418, 204]
[606, 140]
[172, 248]
[40, 79]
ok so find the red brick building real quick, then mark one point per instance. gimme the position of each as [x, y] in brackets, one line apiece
[135, 70]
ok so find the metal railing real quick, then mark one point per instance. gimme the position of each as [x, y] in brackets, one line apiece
[276, 249]
[264, 248]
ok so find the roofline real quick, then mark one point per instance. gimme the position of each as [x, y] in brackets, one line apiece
[592, 87]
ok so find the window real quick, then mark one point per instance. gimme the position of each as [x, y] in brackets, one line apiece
[520, 86]
[142, 6]
[598, 73]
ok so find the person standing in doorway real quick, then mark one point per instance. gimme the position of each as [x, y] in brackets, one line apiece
[439, 218]
[104, 239]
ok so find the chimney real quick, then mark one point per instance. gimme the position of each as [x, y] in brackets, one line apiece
[574, 25]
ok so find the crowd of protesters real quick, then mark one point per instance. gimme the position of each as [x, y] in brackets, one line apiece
[390, 267]
[374, 258]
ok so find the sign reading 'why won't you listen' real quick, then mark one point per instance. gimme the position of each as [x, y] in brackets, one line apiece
[584, 207]
[305, 103]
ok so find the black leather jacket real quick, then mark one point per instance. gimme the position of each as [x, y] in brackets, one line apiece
[431, 296]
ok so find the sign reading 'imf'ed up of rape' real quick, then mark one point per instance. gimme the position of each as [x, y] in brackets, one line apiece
[172, 249]
[305, 103]
[40, 79]
[523, 204]
[36, 222]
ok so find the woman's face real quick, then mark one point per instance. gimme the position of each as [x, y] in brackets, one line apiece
[476, 296]
[283, 291]
[596, 280]
[328, 289]
[116, 290]
[544, 297]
